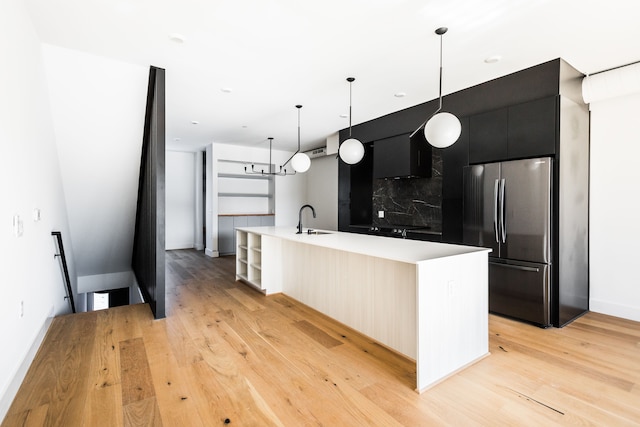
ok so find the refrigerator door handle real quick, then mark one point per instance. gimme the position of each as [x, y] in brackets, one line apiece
[495, 210]
[516, 267]
[503, 222]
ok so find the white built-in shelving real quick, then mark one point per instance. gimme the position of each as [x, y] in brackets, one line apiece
[241, 193]
[249, 259]
[243, 200]
[242, 262]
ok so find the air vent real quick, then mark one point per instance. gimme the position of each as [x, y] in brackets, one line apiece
[318, 152]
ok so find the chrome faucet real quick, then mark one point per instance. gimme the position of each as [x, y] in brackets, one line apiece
[300, 216]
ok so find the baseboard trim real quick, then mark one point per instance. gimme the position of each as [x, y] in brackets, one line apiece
[14, 385]
[614, 309]
[178, 246]
[211, 253]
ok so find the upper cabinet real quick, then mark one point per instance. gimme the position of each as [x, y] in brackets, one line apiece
[401, 156]
[519, 131]
[488, 136]
[532, 128]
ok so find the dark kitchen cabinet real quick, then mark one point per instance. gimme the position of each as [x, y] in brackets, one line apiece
[488, 136]
[401, 156]
[532, 128]
[520, 131]
[360, 191]
[454, 159]
[527, 114]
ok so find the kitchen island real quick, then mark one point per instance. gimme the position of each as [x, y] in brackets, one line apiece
[425, 300]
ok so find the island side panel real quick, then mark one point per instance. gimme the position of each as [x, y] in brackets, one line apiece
[453, 319]
[272, 264]
[372, 295]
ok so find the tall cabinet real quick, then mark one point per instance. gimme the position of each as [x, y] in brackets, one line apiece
[556, 126]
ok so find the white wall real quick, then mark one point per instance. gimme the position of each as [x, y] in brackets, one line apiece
[180, 197]
[615, 207]
[98, 107]
[322, 193]
[29, 179]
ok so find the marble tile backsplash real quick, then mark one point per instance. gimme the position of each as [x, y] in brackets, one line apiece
[410, 201]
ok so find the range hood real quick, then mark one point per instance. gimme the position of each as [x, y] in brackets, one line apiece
[402, 157]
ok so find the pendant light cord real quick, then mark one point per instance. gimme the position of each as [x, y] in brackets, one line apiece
[298, 150]
[440, 32]
[350, 82]
[298, 128]
[270, 164]
[440, 89]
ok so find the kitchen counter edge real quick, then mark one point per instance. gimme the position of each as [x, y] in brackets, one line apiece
[402, 250]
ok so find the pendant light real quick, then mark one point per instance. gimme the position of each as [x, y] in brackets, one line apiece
[300, 162]
[351, 151]
[253, 171]
[442, 129]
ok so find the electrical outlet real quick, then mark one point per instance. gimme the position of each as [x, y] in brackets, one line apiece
[21, 313]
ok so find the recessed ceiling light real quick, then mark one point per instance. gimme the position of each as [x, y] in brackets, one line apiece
[227, 89]
[244, 126]
[493, 59]
[195, 122]
[400, 94]
[177, 38]
[344, 116]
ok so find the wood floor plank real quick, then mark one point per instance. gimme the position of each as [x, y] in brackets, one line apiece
[339, 397]
[172, 383]
[263, 364]
[182, 347]
[35, 417]
[137, 383]
[580, 412]
[227, 353]
[540, 351]
[142, 413]
[317, 334]
[245, 299]
[64, 349]
[234, 389]
[104, 407]
[104, 370]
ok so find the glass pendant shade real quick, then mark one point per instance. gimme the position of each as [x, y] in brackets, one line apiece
[351, 151]
[442, 130]
[300, 162]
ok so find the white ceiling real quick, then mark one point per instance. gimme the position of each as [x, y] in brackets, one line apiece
[274, 54]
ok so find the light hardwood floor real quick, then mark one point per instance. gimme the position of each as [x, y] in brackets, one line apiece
[227, 355]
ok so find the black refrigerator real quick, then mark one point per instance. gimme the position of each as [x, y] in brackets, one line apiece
[507, 207]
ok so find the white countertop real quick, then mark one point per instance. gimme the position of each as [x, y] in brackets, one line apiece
[403, 250]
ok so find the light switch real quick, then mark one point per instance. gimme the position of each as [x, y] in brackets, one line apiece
[380, 214]
[36, 215]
